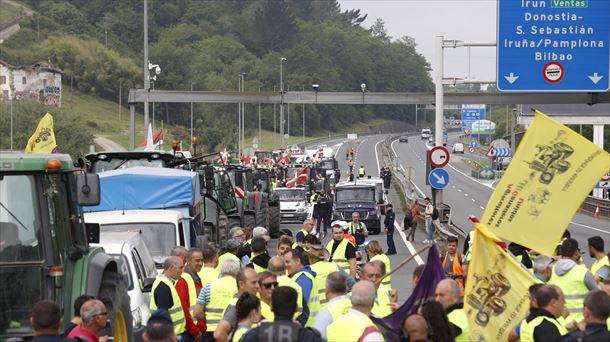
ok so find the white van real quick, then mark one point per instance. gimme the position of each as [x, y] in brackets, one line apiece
[161, 229]
[425, 133]
[293, 203]
[137, 269]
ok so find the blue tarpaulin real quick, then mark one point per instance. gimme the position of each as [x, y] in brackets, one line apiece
[147, 188]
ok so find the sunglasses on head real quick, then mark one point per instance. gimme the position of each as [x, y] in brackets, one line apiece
[268, 285]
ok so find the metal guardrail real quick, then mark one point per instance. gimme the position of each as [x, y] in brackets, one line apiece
[445, 228]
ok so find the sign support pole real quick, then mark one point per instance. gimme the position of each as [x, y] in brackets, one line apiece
[437, 195]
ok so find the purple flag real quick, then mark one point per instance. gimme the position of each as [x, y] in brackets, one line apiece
[433, 273]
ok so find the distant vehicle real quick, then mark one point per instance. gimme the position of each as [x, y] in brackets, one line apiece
[431, 140]
[361, 197]
[458, 148]
[322, 146]
[426, 133]
[293, 203]
[137, 268]
[403, 138]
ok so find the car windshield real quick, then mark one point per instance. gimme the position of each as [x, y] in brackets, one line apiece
[124, 270]
[291, 194]
[160, 238]
[328, 165]
[113, 164]
[356, 195]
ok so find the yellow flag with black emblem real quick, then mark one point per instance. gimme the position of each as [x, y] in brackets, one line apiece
[496, 295]
[546, 182]
[43, 139]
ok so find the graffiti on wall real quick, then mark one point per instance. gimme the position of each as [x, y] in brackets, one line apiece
[51, 95]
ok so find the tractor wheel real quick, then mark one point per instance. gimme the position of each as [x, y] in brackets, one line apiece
[114, 295]
[249, 220]
[222, 233]
[234, 222]
[274, 220]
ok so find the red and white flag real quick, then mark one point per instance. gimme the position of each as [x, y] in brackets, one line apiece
[299, 178]
[239, 192]
[153, 141]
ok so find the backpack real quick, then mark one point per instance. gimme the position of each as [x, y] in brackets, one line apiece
[434, 214]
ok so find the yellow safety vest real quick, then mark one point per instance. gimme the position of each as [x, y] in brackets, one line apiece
[387, 281]
[597, 264]
[266, 312]
[222, 291]
[339, 255]
[574, 290]
[381, 308]
[259, 269]
[175, 312]
[459, 318]
[527, 329]
[240, 331]
[317, 298]
[361, 171]
[284, 280]
[339, 307]
[190, 283]
[224, 256]
[207, 274]
[314, 198]
[348, 327]
[350, 227]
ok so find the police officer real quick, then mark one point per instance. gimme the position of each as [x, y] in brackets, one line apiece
[322, 212]
[448, 294]
[389, 228]
[282, 329]
[164, 294]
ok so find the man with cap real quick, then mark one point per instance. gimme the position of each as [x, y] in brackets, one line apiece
[318, 256]
[389, 228]
[231, 249]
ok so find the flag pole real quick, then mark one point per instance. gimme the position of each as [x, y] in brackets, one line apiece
[404, 262]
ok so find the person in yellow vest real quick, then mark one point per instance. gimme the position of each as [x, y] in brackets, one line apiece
[541, 324]
[452, 262]
[248, 310]
[277, 267]
[231, 249]
[361, 171]
[260, 256]
[163, 293]
[601, 266]
[188, 288]
[341, 251]
[303, 276]
[267, 282]
[356, 325]
[375, 252]
[385, 300]
[574, 279]
[301, 234]
[596, 312]
[357, 229]
[247, 282]
[448, 294]
[216, 295]
[339, 303]
[605, 286]
[210, 261]
[318, 256]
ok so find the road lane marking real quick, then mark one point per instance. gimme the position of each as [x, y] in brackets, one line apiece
[410, 247]
[459, 190]
[482, 208]
[466, 195]
[589, 227]
[472, 199]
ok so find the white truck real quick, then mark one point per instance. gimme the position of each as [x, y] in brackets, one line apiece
[293, 204]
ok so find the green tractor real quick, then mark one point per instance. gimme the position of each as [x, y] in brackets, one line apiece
[44, 244]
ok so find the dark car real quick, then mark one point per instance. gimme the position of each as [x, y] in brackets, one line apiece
[403, 138]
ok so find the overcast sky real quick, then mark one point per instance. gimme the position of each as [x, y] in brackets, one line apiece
[466, 20]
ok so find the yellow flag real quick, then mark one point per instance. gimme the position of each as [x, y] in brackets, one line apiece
[43, 139]
[549, 177]
[496, 296]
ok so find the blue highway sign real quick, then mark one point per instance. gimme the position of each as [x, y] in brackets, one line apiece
[474, 144]
[438, 178]
[553, 45]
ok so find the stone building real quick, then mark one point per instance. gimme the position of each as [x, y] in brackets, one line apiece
[40, 82]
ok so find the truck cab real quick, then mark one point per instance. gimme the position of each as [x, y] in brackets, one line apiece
[293, 204]
[358, 197]
[108, 161]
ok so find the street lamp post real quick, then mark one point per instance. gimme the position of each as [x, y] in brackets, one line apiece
[282, 59]
[239, 118]
[303, 118]
[363, 88]
[146, 62]
[192, 114]
[288, 123]
[259, 120]
[274, 124]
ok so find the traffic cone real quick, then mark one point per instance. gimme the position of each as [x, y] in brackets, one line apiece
[596, 214]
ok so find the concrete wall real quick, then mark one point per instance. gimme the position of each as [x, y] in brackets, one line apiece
[29, 84]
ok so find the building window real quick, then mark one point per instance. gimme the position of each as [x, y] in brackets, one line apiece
[23, 80]
[2, 79]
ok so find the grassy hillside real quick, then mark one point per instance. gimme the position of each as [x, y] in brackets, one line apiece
[7, 12]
